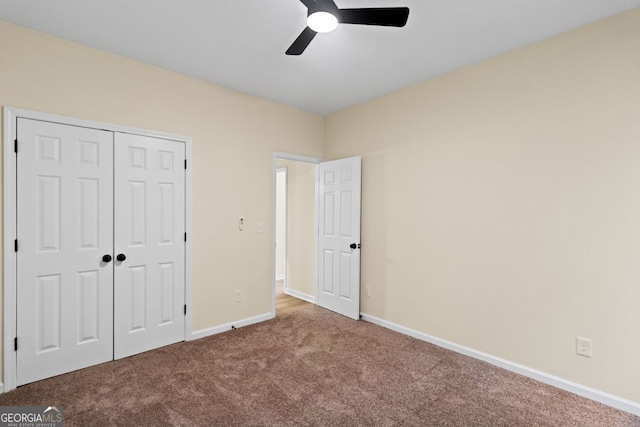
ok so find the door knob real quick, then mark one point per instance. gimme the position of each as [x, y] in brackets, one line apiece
[354, 246]
[121, 257]
[106, 258]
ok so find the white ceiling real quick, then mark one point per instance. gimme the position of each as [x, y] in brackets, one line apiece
[241, 43]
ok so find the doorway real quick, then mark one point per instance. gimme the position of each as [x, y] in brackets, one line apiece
[330, 277]
[285, 303]
[295, 232]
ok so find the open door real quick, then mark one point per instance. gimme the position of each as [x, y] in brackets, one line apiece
[339, 192]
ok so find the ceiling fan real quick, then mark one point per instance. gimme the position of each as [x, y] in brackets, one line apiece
[324, 16]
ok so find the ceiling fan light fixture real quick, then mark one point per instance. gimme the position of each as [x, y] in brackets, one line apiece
[324, 16]
[322, 22]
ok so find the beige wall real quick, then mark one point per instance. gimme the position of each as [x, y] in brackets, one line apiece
[233, 134]
[501, 204]
[301, 226]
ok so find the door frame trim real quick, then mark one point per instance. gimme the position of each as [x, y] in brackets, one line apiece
[284, 170]
[299, 158]
[9, 325]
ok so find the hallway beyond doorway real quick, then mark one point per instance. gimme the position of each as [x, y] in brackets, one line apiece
[286, 303]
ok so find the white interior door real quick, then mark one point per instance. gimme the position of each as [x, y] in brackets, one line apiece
[64, 228]
[339, 193]
[149, 232]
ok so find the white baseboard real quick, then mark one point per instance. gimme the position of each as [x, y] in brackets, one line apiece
[280, 277]
[300, 295]
[228, 326]
[561, 383]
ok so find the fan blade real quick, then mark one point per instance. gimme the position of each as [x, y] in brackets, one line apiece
[320, 5]
[301, 43]
[308, 3]
[386, 16]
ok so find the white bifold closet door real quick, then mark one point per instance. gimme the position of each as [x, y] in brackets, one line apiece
[64, 228]
[149, 232]
[85, 196]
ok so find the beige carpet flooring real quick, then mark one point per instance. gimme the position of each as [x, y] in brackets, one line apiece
[310, 367]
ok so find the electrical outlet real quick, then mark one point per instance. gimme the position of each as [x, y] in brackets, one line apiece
[237, 296]
[367, 291]
[583, 347]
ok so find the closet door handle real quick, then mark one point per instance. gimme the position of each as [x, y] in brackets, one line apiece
[106, 258]
[121, 257]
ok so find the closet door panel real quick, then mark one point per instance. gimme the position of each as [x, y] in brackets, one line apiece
[149, 236]
[64, 228]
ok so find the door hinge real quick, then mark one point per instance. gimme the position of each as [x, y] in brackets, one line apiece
[15, 344]
[185, 236]
[185, 163]
[15, 245]
[15, 146]
[185, 309]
